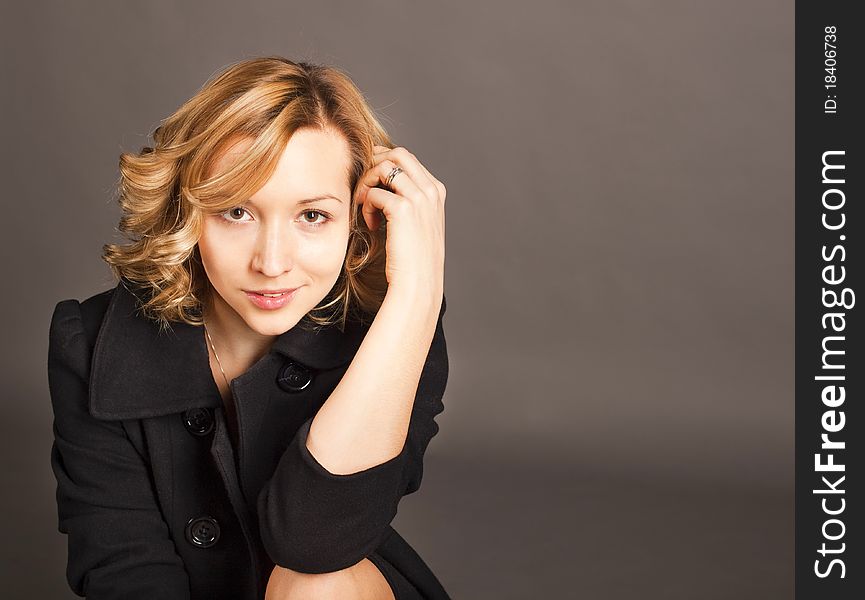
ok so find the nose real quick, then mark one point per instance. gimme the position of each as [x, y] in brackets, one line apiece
[274, 250]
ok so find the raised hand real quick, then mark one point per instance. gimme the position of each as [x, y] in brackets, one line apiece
[413, 208]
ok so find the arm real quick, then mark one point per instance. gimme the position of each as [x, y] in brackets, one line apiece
[365, 420]
[119, 544]
[314, 520]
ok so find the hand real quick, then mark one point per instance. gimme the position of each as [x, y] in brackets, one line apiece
[415, 219]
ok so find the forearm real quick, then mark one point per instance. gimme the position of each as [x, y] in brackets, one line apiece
[365, 420]
[332, 495]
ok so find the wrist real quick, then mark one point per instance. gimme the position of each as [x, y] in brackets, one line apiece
[415, 307]
[419, 296]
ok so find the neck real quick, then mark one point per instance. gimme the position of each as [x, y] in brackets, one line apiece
[239, 346]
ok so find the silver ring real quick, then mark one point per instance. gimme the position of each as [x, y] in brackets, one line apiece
[393, 173]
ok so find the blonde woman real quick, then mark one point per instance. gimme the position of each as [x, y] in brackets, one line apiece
[240, 416]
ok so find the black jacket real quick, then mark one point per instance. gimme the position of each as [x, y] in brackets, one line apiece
[156, 501]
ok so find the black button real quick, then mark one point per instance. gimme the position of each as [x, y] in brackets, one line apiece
[293, 377]
[202, 531]
[198, 421]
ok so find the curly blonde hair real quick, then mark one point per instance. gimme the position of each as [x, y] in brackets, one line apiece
[164, 191]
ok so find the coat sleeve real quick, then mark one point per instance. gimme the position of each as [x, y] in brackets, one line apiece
[314, 521]
[118, 543]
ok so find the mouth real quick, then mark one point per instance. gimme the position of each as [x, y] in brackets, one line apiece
[271, 293]
[271, 299]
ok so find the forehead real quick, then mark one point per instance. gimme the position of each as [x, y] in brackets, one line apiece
[311, 158]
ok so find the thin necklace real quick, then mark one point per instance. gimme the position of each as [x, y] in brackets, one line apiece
[217, 357]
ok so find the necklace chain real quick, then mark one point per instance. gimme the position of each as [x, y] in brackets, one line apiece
[217, 357]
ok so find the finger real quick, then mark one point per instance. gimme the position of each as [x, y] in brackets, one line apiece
[381, 152]
[402, 184]
[409, 163]
[378, 201]
[439, 185]
[384, 149]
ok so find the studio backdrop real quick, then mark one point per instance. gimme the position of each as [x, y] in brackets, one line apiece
[619, 270]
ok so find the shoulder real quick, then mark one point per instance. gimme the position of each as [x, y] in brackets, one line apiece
[72, 319]
[73, 332]
[93, 311]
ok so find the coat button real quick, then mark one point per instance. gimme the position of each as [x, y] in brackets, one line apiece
[202, 531]
[198, 421]
[293, 377]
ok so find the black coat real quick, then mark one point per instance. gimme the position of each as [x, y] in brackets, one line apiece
[156, 501]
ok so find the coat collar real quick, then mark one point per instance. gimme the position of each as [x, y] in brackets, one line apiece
[139, 372]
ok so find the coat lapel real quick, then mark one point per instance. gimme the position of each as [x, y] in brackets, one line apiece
[139, 371]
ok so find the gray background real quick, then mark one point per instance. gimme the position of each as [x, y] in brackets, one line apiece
[619, 415]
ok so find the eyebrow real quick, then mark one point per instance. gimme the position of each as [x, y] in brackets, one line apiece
[317, 198]
[308, 200]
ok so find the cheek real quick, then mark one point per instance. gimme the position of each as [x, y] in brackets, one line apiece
[218, 251]
[323, 255]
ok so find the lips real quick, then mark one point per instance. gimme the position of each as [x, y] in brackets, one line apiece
[271, 292]
[271, 299]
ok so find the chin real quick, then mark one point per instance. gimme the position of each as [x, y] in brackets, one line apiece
[272, 324]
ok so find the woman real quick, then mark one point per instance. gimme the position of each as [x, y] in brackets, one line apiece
[240, 416]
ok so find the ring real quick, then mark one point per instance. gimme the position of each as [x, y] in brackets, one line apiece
[393, 173]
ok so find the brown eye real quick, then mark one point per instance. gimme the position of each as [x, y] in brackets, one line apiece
[237, 211]
[314, 221]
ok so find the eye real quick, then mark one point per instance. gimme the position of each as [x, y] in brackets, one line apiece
[236, 211]
[315, 214]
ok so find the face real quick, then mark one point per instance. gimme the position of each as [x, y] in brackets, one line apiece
[292, 233]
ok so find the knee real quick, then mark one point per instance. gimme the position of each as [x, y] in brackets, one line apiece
[357, 582]
[285, 584]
